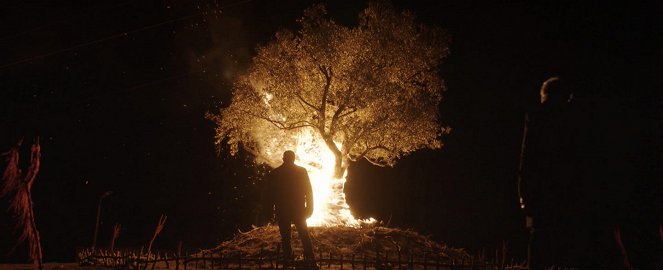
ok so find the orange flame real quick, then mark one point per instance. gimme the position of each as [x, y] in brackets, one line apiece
[330, 207]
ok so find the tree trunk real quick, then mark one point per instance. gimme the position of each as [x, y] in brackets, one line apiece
[340, 163]
[339, 166]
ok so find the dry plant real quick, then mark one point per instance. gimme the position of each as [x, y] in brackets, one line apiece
[618, 238]
[116, 234]
[157, 230]
[17, 186]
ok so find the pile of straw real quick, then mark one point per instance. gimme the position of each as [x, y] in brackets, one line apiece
[369, 241]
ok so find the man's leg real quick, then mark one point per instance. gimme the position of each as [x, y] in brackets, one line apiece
[302, 230]
[284, 229]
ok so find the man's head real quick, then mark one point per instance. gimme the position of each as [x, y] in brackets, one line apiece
[289, 157]
[555, 91]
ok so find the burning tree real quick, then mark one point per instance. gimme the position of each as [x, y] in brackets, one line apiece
[336, 94]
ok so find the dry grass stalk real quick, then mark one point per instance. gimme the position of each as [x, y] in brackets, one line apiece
[157, 230]
[618, 238]
[19, 185]
[116, 233]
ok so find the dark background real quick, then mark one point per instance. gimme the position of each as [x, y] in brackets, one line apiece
[117, 91]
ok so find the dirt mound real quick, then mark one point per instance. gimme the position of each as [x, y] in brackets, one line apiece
[367, 241]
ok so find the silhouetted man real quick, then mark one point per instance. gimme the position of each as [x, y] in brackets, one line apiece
[548, 188]
[289, 192]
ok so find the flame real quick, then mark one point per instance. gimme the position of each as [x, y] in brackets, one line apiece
[330, 207]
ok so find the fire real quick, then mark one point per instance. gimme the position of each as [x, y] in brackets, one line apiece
[330, 206]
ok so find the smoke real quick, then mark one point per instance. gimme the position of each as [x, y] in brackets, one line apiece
[220, 54]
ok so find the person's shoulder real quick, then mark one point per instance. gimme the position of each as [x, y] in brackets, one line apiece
[300, 168]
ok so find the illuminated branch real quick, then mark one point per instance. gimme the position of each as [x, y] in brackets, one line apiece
[351, 141]
[348, 113]
[374, 161]
[284, 126]
[297, 125]
[335, 118]
[342, 107]
[310, 54]
[360, 136]
[325, 92]
[301, 99]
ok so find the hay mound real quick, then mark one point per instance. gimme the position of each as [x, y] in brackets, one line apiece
[367, 241]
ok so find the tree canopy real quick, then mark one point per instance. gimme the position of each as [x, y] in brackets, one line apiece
[371, 91]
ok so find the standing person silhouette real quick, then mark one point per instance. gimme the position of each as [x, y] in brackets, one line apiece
[289, 192]
[548, 180]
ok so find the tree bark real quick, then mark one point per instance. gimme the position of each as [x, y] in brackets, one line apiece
[340, 165]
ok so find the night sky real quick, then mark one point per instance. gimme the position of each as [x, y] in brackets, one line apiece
[117, 92]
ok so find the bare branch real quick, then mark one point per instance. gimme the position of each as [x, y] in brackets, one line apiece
[307, 103]
[352, 140]
[353, 110]
[297, 125]
[376, 163]
[282, 125]
[342, 107]
[370, 149]
[325, 92]
[335, 118]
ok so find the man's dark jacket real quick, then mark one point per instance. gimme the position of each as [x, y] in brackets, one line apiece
[288, 188]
